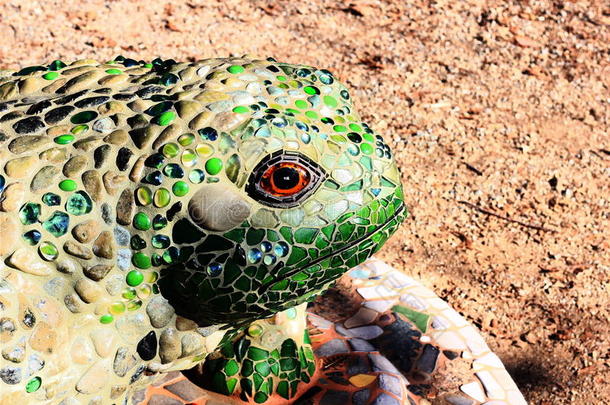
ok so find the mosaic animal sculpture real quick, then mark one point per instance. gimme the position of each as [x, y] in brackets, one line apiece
[160, 216]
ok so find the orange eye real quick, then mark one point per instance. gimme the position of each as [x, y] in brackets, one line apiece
[285, 179]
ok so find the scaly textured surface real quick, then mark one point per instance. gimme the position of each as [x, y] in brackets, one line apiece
[153, 212]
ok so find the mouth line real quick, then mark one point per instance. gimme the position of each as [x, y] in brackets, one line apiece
[265, 287]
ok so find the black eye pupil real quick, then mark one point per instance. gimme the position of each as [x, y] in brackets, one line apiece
[285, 178]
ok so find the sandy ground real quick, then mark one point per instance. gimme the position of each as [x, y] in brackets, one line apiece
[499, 115]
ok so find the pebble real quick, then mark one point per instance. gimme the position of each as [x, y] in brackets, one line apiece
[159, 311]
[75, 165]
[131, 326]
[77, 250]
[113, 182]
[95, 378]
[10, 375]
[169, 345]
[101, 155]
[97, 272]
[104, 125]
[86, 231]
[192, 344]
[216, 208]
[10, 234]
[123, 361]
[87, 290]
[15, 353]
[125, 207]
[44, 178]
[28, 125]
[103, 246]
[118, 137]
[82, 351]
[24, 144]
[24, 260]
[58, 114]
[104, 340]
[147, 346]
[20, 167]
[93, 184]
[43, 338]
[54, 155]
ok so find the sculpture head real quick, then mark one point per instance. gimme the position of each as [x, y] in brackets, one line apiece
[295, 193]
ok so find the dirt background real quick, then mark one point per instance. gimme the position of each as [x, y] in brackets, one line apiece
[499, 115]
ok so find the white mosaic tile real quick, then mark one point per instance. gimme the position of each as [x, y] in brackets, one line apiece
[474, 391]
[380, 305]
[379, 291]
[492, 388]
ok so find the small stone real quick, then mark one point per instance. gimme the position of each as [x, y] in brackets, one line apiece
[159, 311]
[93, 184]
[15, 353]
[86, 231]
[192, 344]
[104, 125]
[58, 114]
[87, 290]
[103, 246]
[77, 250]
[123, 157]
[24, 144]
[97, 272]
[94, 379]
[10, 234]
[184, 324]
[147, 346]
[75, 165]
[113, 182]
[217, 208]
[101, 155]
[12, 197]
[125, 207]
[44, 178]
[169, 345]
[104, 340]
[118, 137]
[54, 155]
[123, 361]
[43, 338]
[23, 260]
[10, 375]
[28, 125]
[20, 167]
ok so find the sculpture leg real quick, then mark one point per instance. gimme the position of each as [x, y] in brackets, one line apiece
[381, 337]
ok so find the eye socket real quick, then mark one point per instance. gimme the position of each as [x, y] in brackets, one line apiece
[284, 179]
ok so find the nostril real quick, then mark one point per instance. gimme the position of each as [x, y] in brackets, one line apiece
[218, 208]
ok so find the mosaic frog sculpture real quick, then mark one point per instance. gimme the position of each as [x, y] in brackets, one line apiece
[153, 215]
